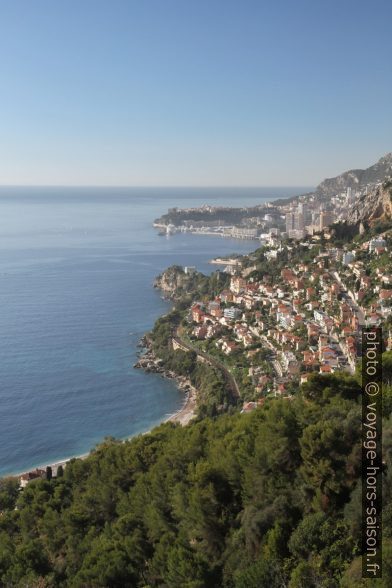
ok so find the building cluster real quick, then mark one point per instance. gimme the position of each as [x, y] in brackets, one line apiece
[312, 214]
[306, 319]
[307, 218]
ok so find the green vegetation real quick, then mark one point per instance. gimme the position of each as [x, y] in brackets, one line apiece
[241, 501]
[213, 395]
[343, 233]
[229, 215]
[266, 499]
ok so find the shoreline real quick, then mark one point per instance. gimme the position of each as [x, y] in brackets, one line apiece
[182, 416]
[152, 364]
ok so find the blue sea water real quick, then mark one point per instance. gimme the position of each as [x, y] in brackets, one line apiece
[76, 273]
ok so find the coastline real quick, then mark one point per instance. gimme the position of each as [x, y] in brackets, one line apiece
[150, 363]
[183, 415]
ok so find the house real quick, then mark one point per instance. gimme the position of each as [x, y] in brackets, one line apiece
[296, 304]
[217, 312]
[354, 322]
[347, 258]
[268, 291]
[327, 356]
[237, 284]
[350, 348]
[335, 289]
[248, 407]
[247, 340]
[263, 380]
[249, 301]
[360, 295]
[346, 331]
[197, 314]
[312, 330]
[232, 312]
[213, 330]
[310, 293]
[200, 332]
[323, 340]
[323, 319]
[213, 305]
[24, 479]
[366, 282]
[287, 275]
[310, 359]
[228, 346]
[312, 305]
[376, 244]
[304, 377]
[345, 313]
[298, 284]
[298, 320]
[374, 319]
[329, 324]
[226, 296]
[385, 294]
[289, 362]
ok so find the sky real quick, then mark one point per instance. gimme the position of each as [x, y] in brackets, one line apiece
[192, 92]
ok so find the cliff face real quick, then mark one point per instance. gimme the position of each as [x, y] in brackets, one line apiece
[373, 207]
[356, 178]
[172, 281]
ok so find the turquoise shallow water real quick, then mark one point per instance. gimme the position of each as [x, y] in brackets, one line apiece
[76, 273]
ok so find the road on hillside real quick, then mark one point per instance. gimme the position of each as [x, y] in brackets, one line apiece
[229, 378]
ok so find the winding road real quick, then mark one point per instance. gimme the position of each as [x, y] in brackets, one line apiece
[229, 378]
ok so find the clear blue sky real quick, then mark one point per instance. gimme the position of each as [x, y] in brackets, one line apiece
[192, 92]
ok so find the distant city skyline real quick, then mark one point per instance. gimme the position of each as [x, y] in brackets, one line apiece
[221, 93]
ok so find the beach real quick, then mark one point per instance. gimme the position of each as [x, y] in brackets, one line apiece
[183, 416]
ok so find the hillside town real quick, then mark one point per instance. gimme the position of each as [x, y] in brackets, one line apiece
[295, 308]
[352, 196]
[305, 215]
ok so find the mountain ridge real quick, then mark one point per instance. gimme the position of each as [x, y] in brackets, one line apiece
[357, 178]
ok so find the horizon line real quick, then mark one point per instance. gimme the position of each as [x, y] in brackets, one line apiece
[150, 186]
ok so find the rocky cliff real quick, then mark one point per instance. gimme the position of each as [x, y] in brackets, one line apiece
[376, 206]
[174, 282]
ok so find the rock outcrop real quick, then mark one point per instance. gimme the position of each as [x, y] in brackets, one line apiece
[151, 364]
[376, 206]
[175, 282]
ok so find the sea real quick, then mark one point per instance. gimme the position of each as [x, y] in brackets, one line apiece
[76, 295]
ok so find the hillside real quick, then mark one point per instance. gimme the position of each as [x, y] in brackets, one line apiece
[356, 178]
[268, 499]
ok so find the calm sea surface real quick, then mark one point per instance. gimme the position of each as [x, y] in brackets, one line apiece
[76, 273]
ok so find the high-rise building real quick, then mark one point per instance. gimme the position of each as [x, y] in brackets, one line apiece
[326, 218]
[302, 217]
[290, 220]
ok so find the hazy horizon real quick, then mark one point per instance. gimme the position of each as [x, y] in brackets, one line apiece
[153, 186]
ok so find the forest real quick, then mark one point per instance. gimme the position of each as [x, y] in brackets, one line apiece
[271, 498]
